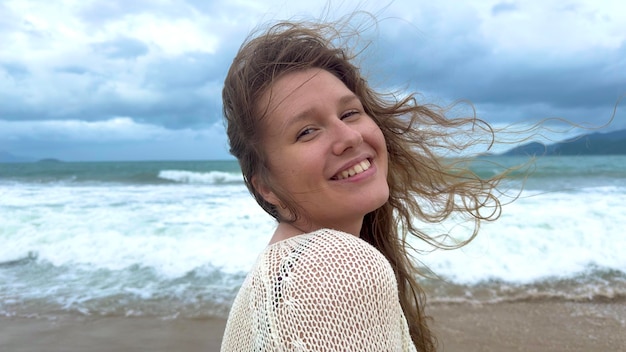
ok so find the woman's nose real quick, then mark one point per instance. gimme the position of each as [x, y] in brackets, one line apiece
[345, 137]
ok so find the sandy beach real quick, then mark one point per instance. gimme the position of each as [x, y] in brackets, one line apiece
[521, 326]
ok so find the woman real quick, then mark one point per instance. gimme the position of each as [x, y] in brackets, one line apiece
[346, 172]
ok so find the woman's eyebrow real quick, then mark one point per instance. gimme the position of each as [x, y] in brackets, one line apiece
[305, 114]
[302, 115]
[348, 98]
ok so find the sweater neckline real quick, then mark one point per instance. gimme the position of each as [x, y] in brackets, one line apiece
[315, 233]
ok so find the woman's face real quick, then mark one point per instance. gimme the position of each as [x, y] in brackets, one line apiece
[323, 150]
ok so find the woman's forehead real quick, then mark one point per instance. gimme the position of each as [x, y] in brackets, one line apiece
[287, 93]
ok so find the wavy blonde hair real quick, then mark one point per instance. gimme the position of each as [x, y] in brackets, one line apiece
[424, 187]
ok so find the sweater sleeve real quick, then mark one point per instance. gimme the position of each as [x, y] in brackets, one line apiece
[328, 292]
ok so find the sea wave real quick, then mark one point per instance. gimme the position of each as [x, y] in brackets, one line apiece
[595, 284]
[190, 177]
[118, 173]
[9, 261]
[208, 292]
[134, 291]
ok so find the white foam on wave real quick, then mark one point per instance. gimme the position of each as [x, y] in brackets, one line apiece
[212, 177]
[173, 230]
[543, 236]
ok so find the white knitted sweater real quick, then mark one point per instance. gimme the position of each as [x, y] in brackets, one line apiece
[322, 291]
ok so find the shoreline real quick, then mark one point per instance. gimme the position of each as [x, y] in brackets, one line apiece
[538, 326]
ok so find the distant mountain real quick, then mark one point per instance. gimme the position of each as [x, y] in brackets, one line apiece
[6, 157]
[610, 143]
[49, 160]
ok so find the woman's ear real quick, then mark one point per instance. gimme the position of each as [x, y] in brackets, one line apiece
[266, 192]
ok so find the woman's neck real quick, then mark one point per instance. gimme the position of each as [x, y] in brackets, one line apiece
[286, 230]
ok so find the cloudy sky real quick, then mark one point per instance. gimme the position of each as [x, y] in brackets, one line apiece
[141, 80]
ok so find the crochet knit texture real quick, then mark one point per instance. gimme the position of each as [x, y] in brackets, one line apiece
[322, 291]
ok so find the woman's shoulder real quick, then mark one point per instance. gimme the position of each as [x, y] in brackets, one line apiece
[324, 251]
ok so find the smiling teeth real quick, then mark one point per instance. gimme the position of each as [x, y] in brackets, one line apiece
[356, 169]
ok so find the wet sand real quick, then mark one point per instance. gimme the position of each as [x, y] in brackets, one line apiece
[532, 326]
[520, 326]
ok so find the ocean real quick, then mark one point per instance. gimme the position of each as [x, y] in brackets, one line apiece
[175, 240]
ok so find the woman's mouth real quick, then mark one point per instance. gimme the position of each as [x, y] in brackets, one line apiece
[354, 170]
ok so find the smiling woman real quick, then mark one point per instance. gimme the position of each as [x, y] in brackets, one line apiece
[347, 172]
[324, 151]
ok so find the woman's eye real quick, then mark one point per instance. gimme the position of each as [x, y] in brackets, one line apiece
[304, 133]
[349, 114]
